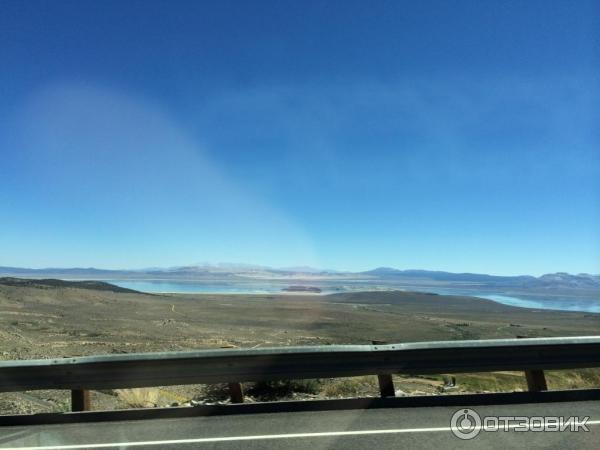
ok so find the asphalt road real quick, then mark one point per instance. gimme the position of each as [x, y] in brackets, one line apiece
[389, 428]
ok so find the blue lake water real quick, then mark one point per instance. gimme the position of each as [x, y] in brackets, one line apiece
[275, 287]
[535, 302]
[561, 304]
[197, 287]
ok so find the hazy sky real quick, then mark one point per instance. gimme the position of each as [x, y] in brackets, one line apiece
[460, 136]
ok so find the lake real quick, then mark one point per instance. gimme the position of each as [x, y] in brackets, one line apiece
[276, 286]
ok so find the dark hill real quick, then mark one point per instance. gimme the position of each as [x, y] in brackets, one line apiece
[53, 283]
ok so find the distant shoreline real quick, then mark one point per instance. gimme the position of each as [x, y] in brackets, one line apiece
[551, 301]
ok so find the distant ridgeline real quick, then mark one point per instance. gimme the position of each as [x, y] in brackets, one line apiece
[582, 283]
[53, 283]
[313, 289]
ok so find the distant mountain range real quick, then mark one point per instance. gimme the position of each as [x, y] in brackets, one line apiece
[383, 274]
[551, 280]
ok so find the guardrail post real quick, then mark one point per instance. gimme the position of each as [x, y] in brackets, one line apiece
[536, 381]
[80, 400]
[236, 393]
[386, 383]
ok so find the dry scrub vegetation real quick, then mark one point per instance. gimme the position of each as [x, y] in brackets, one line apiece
[63, 321]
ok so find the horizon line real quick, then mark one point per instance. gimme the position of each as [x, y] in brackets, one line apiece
[291, 268]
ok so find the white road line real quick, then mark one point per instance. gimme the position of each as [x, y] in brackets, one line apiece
[247, 438]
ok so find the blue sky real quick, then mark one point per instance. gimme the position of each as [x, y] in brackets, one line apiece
[458, 136]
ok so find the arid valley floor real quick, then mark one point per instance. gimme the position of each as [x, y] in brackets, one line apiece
[39, 320]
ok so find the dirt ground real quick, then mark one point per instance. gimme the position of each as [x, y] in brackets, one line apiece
[47, 322]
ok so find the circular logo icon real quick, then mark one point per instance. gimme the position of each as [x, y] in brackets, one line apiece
[465, 424]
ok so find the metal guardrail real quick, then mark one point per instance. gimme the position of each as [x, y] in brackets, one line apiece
[232, 366]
